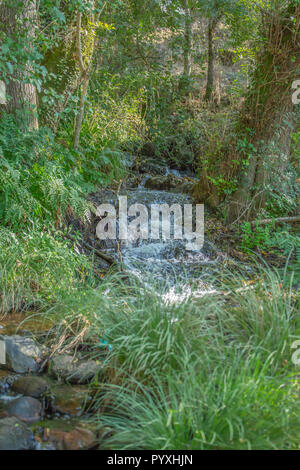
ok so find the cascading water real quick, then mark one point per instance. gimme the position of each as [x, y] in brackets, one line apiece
[166, 263]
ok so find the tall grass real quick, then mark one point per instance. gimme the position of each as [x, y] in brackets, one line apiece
[264, 316]
[37, 269]
[233, 405]
[148, 336]
[211, 373]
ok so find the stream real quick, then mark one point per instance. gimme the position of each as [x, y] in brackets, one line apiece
[166, 266]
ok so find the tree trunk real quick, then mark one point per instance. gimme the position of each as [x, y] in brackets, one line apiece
[85, 73]
[80, 115]
[17, 20]
[269, 114]
[211, 59]
[187, 50]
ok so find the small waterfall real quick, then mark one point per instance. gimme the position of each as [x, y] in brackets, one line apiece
[167, 263]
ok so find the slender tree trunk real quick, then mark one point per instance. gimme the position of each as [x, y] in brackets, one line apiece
[15, 20]
[187, 50]
[211, 59]
[80, 116]
[85, 74]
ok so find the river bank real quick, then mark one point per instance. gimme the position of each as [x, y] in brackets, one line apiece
[210, 335]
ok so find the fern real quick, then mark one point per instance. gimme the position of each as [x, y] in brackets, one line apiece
[34, 183]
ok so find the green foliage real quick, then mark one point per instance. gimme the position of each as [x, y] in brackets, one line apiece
[215, 131]
[224, 186]
[147, 335]
[201, 374]
[212, 407]
[37, 268]
[285, 240]
[258, 237]
[113, 111]
[40, 179]
[267, 237]
[35, 182]
[263, 316]
[280, 241]
[288, 243]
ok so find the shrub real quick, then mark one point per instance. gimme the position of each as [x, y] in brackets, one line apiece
[37, 268]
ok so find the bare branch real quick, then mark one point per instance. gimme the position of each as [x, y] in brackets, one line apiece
[279, 220]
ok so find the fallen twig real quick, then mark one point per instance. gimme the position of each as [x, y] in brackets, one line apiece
[98, 253]
[279, 220]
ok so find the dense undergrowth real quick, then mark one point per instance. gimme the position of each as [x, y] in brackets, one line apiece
[208, 373]
[213, 372]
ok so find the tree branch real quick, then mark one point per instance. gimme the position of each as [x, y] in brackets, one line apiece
[78, 43]
[279, 220]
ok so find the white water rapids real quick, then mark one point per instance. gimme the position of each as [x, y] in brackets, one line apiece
[167, 264]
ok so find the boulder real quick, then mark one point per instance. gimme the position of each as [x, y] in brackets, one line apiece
[15, 435]
[74, 371]
[70, 399]
[26, 409]
[169, 182]
[77, 439]
[152, 168]
[30, 386]
[23, 354]
[133, 182]
[148, 149]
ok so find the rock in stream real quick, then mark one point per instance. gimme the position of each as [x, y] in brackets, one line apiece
[74, 371]
[23, 354]
[26, 409]
[15, 435]
[30, 386]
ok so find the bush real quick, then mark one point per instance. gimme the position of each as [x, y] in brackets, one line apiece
[35, 182]
[37, 269]
[208, 373]
[234, 405]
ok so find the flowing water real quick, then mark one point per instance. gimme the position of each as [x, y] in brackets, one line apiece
[168, 264]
